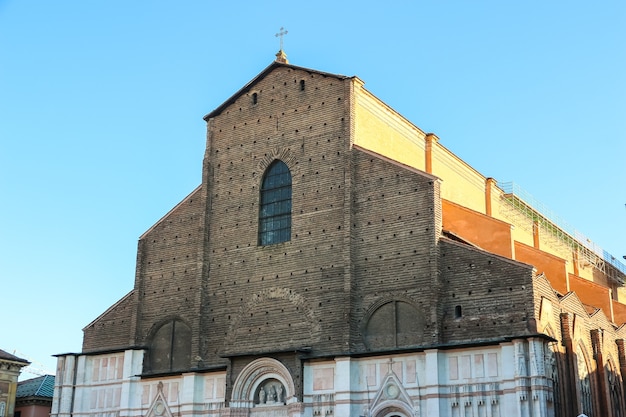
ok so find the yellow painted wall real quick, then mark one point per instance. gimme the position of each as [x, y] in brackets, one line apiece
[380, 129]
[462, 184]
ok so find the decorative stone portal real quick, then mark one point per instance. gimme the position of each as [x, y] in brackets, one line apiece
[265, 388]
[159, 407]
[392, 400]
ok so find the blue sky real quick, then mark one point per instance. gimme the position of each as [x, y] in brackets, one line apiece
[101, 129]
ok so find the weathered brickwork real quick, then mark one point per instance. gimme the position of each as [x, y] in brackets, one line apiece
[289, 295]
[202, 262]
[112, 330]
[368, 283]
[393, 237]
[484, 296]
[168, 280]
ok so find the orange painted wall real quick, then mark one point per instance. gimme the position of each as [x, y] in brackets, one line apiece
[486, 232]
[591, 293]
[619, 312]
[552, 266]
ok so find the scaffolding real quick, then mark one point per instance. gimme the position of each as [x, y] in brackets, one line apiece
[524, 211]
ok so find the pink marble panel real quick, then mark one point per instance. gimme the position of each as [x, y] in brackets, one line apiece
[479, 365]
[466, 367]
[117, 396]
[145, 394]
[104, 366]
[371, 374]
[93, 403]
[112, 363]
[453, 367]
[411, 375]
[120, 367]
[492, 364]
[323, 378]
[220, 385]
[174, 392]
[209, 385]
[96, 370]
[397, 369]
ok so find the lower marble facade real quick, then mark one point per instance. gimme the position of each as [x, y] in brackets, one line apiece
[508, 379]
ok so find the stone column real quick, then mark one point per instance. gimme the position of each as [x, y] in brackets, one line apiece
[522, 379]
[432, 390]
[538, 379]
[343, 388]
[64, 387]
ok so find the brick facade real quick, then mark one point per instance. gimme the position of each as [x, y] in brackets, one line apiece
[368, 273]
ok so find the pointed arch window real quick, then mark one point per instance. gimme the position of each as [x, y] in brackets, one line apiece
[615, 390]
[275, 205]
[584, 384]
[552, 371]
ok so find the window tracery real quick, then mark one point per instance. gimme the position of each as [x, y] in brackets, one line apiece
[275, 205]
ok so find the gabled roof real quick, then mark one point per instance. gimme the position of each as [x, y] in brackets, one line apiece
[118, 302]
[262, 75]
[7, 356]
[42, 386]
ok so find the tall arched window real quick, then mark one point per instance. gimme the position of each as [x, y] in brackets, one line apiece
[275, 205]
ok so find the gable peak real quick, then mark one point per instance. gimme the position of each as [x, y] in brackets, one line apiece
[281, 57]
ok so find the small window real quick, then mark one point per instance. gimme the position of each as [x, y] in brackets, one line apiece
[458, 313]
[275, 205]
[301, 85]
[254, 98]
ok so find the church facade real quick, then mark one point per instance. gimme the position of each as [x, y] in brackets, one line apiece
[338, 261]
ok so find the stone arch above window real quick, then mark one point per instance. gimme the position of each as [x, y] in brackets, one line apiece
[169, 347]
[394, 323]
[275, 205]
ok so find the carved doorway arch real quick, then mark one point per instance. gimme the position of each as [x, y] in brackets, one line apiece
[392, 411]
[262, 382]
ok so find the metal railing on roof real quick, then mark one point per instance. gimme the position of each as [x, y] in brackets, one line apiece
[536, 211]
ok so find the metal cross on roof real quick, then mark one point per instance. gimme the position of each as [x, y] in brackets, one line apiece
[281, 34]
